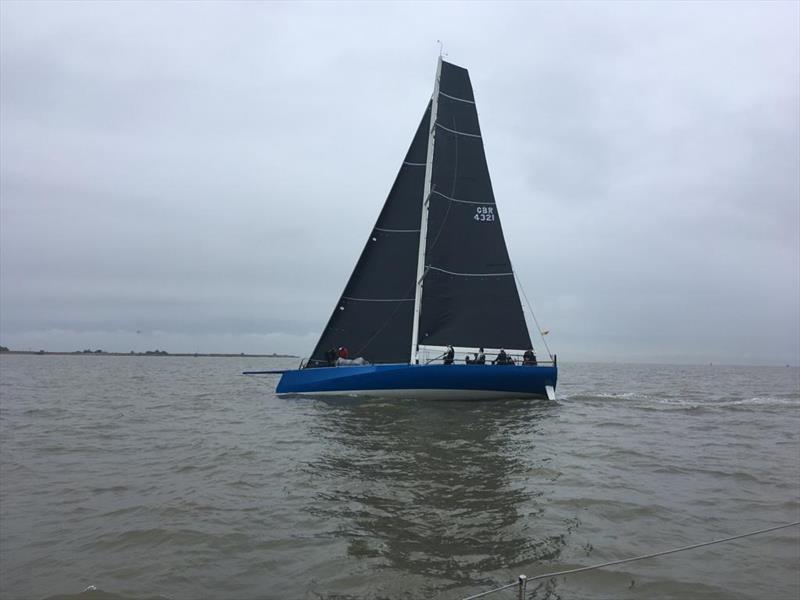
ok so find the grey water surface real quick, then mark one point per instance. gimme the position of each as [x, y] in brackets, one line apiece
[168, 477]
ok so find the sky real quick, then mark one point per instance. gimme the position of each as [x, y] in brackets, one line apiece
[201, 177]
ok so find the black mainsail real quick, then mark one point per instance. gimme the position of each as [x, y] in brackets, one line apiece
[469, 294]
[435, 269]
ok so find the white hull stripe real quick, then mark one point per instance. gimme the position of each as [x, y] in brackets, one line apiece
[410, 164]
[474, 135]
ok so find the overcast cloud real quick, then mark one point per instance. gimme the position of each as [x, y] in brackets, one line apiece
[201, 177]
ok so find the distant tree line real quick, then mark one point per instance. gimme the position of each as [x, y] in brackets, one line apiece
[148, 352]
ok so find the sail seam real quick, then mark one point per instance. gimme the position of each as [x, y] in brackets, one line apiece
[454, 98]
[413, 164]
[396, 230]
[475, 135]
[378, 299]
[470, 274]
[462, 201]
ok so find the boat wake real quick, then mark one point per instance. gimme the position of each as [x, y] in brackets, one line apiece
[668, 403]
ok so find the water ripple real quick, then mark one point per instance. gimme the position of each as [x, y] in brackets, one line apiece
[178, 478]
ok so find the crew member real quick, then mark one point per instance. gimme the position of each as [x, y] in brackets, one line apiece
[449, 356]
[331, 356]
[502, 358]
[529, 358]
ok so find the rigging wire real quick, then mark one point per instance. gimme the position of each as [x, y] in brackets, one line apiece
[436, 357]
[635, 558]
[530, 308]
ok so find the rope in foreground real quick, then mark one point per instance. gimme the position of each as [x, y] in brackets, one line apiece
[524, 579]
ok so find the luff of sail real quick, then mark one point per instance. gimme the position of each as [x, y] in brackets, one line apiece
[469, 294]
[373, 317]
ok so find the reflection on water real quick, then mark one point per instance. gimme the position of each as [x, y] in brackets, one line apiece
[178, 478]
[445, 490]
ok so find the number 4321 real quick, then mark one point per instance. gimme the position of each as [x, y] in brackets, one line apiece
[484, 213]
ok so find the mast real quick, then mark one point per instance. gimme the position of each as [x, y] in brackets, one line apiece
[423, 229]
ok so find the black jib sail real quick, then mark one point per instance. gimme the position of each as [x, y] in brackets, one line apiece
[373, 317]
[469, 293]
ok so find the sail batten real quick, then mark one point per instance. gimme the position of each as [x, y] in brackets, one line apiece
[377, 299]
[509, 274]
[464, 133]
[384, 230]
[454, 98]
[446, 197]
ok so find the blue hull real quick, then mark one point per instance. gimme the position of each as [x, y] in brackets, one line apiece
[461, 382]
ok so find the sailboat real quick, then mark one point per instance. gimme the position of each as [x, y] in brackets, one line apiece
[434, 272]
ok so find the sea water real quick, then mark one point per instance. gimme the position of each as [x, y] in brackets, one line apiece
[168, 477]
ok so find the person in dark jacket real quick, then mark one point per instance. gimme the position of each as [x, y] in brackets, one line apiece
[480, 357]
[331, 356]
[449, 356]
[529, 358]
[502, 358]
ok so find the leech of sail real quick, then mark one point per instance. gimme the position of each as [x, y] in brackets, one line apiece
[475, 135]
[463, 201]
[426, 192]
[454, 98]
[470, 274]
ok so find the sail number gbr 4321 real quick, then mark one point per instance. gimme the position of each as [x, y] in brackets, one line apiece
[484, 213]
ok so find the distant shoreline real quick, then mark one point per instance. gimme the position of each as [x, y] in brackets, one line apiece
[145, 354]
[273, 355]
